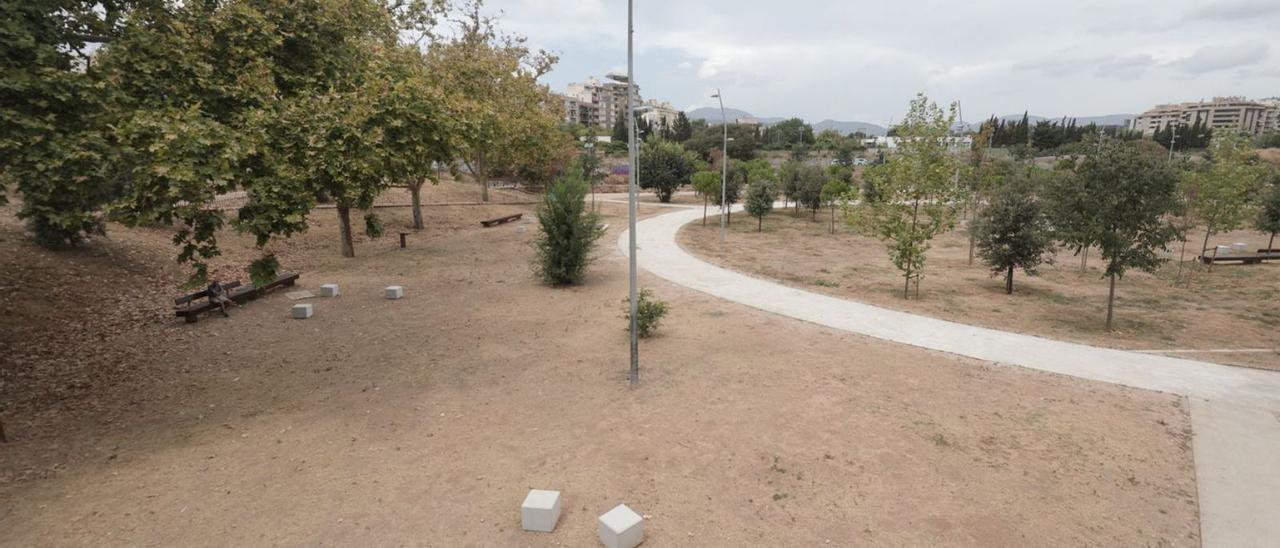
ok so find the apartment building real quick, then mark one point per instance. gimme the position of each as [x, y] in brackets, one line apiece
[596, 103]
[1232, 113]
[660, 114]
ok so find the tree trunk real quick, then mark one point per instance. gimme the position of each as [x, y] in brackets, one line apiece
[760, 224]
[1111, 302]
[1008, 281]
[833, 218]
[814, 217]
[1084, 259]
[3, 439]
[1182, 256]
[704, 210]
[1204, 248]
[915, 218]
[972, 241]
[482, 178]
[1271, 242]
[344, 225]
[415, 193]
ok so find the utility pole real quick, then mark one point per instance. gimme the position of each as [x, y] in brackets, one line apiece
[631, 195]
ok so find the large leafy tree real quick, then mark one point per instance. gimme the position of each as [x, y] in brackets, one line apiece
[1124, 196]
[509, 114]
[919, 196]
[809, 182]
[1012, 231]
[265, 91]
[53, 117]
[681, 130]
[664, 166]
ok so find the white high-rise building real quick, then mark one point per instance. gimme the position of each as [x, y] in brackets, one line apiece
[1236, 113]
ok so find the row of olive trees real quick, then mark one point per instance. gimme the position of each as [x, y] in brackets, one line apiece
[295, 104]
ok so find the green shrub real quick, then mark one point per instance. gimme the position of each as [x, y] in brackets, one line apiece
[568, 232]
[649, 313]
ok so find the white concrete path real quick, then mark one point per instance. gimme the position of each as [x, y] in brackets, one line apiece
[1235, 411]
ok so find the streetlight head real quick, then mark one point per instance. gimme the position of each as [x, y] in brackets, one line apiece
[618, 77]
[642, 109]
[715, 96]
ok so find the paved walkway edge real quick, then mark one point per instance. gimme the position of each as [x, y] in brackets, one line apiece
[1235, 411]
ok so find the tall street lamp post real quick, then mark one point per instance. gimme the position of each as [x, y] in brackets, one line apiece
[634, 376]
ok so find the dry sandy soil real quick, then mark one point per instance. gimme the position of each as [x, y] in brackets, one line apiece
[423, 421]
[1231, 307]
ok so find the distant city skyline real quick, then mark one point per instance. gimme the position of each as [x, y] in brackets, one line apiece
[854, 60]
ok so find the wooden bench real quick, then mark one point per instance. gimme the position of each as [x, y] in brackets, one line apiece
[501, 220]
[237, 293]
[1242, 259]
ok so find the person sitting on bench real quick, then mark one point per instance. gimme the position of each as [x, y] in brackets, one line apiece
[218, 296]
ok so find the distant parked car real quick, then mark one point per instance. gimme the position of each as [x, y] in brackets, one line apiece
[859, 161]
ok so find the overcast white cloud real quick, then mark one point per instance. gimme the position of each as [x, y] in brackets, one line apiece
[856, 60]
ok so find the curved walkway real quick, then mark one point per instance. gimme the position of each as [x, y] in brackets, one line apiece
[1235, 411]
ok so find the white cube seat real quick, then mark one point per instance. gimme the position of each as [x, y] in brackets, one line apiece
[302, 311]
[540, 510]
[621, 527]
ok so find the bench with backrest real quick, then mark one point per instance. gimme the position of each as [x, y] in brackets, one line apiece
[1242, 259]
[187, 308]
[501, 220]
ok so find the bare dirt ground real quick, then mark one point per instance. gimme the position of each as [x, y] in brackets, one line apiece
[1232, 307]
[423, 421]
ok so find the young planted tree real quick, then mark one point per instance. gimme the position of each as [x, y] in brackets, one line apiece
[732, 190]
[809, 182]
[1123, 196]
[760, 197]
[833, 192]
[789, 182]
[1013, 232]
[567, 234]
[706, 183]
[1220, 195]
[1268, 219]
[918, 197]
[664, 166]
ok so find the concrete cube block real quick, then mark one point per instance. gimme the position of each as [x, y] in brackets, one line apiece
[329, 290]
[621, 527]
[540, 510]
[394, 292]
[302, 311]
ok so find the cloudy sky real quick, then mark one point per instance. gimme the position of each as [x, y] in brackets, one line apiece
[860, 60]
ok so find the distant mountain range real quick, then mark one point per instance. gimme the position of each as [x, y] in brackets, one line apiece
[712, 114]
